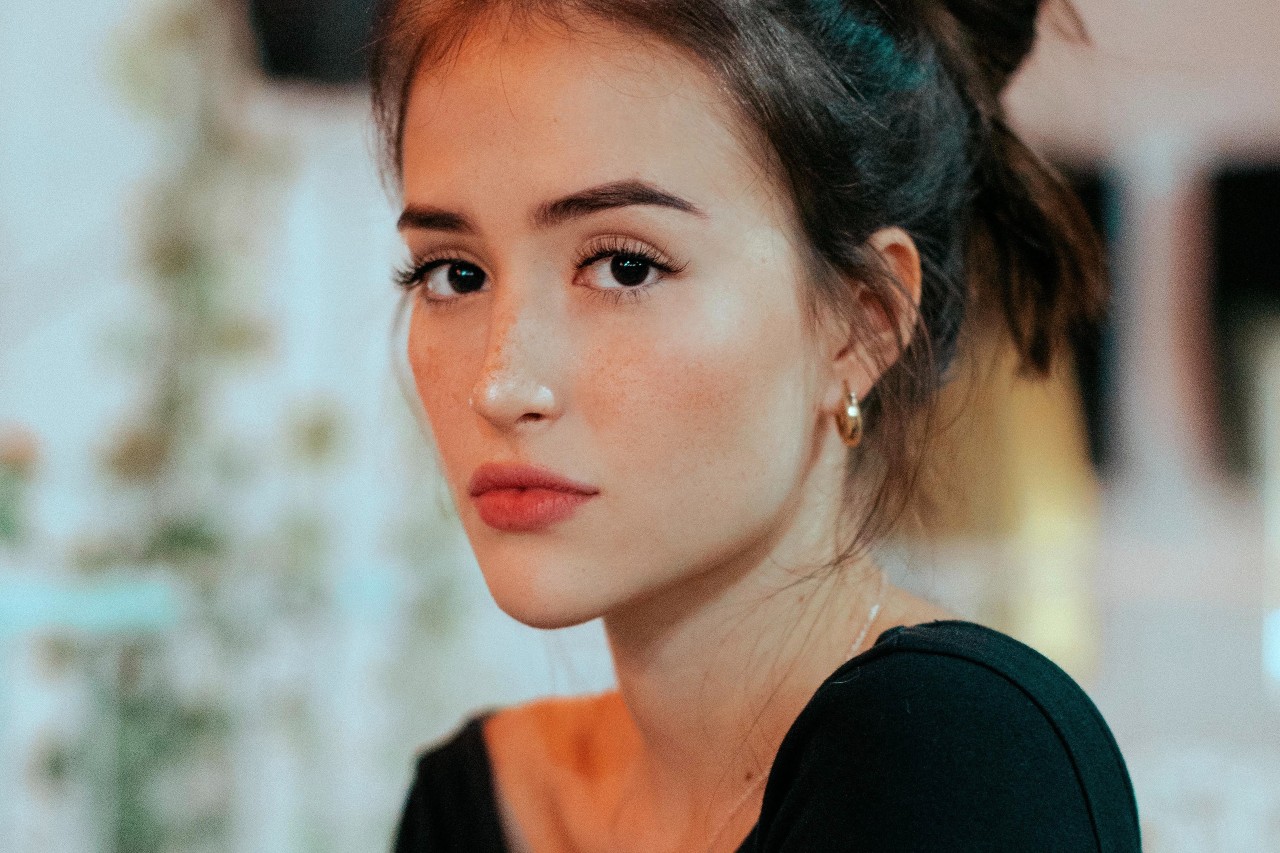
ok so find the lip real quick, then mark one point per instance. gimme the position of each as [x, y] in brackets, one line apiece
[513, 475]
[520, 498]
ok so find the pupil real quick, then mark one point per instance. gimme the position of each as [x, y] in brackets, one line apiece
[629, 270]
[464, 278]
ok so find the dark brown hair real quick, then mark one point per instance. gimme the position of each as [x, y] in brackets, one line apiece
[870, 114]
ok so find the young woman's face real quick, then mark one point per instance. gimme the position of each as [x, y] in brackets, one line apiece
[608, 288]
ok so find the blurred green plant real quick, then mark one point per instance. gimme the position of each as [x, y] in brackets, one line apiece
[163, 748]
[186, 71]
[171, 793]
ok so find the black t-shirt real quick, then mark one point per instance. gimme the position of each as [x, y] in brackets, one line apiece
[945, 736]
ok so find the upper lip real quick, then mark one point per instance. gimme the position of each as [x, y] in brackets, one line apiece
[500, 475]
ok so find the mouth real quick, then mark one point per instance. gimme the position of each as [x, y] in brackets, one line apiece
[524, 498]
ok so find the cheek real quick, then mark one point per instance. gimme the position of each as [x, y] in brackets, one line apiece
[437, 363]
[658, 391]
[707, 420]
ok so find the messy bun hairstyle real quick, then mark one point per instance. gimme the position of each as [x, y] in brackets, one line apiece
[869, 113]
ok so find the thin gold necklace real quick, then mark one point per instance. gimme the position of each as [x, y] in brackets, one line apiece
[853, 650]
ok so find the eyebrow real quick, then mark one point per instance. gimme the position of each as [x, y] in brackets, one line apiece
[549, 214]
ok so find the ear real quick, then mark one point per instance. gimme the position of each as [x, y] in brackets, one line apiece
[870, 350]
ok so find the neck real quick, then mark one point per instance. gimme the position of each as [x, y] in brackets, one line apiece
[714, 671]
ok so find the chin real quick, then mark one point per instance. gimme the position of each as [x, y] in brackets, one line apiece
[537, 595]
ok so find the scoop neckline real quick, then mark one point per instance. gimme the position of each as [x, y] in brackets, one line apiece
[476, 725]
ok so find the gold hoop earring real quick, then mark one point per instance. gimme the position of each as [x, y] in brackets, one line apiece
[849, 421]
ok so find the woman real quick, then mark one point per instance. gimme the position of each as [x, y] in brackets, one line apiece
[686, 275]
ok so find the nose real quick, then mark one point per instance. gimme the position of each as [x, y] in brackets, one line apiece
[515, 388]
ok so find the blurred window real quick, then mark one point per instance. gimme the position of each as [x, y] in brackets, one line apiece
[1246, 297]
[1094, 353]
[316, 41]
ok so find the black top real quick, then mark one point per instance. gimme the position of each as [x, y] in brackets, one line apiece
[942, 736]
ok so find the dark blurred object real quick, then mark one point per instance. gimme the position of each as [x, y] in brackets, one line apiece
[1094, 350]
[317, 41]
[1246, 290]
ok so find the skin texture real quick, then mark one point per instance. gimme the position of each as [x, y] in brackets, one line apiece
[699, 405]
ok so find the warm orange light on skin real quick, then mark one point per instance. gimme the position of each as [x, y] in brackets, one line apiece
[702, 411]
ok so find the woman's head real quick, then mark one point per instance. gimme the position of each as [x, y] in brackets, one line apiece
[676, 231]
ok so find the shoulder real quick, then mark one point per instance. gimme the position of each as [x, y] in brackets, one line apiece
[948, 735]
[556, 725]
[505, 768]
[556, 755]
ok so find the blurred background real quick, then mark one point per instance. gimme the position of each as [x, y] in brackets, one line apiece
[234, 598]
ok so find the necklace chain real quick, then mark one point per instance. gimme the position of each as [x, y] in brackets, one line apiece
[853, 649]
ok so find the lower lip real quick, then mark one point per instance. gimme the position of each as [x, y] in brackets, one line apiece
[522, 510]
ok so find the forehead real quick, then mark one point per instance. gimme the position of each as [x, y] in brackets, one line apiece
[547, 109]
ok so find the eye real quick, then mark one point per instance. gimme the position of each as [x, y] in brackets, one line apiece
[622, 270]
[616, 265]
[443, 279]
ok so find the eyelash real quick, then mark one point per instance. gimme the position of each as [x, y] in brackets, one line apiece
[409, 276]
